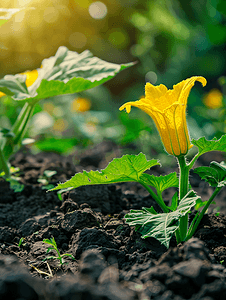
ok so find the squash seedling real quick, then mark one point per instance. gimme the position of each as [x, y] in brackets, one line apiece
[54, 247]
[168, 110]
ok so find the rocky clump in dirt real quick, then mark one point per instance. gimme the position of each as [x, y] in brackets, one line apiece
[187, 272]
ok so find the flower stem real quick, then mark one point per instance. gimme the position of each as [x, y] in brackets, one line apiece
[154, 196]
[193, 229]
[183, 190]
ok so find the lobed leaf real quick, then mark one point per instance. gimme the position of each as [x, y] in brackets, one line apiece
[161, 226]
[161, 182]
[213, 145]
[65, 73]
[215, 174]
[125, 169]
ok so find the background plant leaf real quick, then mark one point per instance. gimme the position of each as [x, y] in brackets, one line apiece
[65, 73]
[213, 145]
[161, 226]
[215, 174]
[128, 168]
[200, 203]
[161, 182]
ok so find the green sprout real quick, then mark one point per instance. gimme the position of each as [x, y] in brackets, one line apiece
[21, 242]
[14, 180]
[45, 178]
[54, 247]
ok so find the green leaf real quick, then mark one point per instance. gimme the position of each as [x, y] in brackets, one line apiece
[161, 226]
[161, 182]
[47, 241]
[67, 254]
[49, 173]
[65, 73]
[59, 145]
[125, 169]
[14, 85]
[200, 203]
[49, 249]
[215, 174]
[213, 145]
[174, 202]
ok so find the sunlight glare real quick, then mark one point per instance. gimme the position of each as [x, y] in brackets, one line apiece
[51, 15]
[151, 77]
[22, 3]
[98, 10]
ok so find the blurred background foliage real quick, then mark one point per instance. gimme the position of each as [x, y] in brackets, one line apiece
[170, 40]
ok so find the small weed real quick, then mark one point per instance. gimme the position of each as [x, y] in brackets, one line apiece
[21, 242]
[14, 180]
[45, 178]
[216, 211]
[54, 247]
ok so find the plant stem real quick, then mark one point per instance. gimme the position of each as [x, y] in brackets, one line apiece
[20, 118]
[192, 231]
[190, 165]
[3, 164]
[19, 129]
[157, 199]
[183, 190]
[21, 132]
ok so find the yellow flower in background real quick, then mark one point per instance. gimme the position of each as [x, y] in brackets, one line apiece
[214, 99]
[80, 104]
[49, 107]
[168, 110]
[60, 125]
[31, 77]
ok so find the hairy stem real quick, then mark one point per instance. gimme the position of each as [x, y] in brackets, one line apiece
[157, 199]
[183, 190]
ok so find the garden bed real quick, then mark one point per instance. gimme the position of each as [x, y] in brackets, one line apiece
[111, 261]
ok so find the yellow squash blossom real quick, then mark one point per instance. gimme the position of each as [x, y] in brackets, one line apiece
[214, 99]
[168, 110]
[31, 77]
[81, 105]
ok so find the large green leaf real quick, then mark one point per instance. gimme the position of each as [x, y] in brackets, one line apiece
[13, 85]
[125, 169]
[65, 73]
[215, 174]
[161, 182]
[213, 145]
[160, 226]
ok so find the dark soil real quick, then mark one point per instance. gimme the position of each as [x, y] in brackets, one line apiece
[111, 261]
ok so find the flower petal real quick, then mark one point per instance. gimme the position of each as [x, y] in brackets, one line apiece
[153, 95]
[181, 90]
